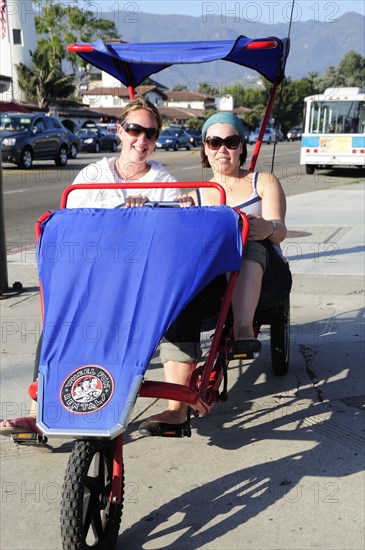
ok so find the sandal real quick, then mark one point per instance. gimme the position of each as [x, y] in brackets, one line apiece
[31, 427]
[163, 429]
[245, 349]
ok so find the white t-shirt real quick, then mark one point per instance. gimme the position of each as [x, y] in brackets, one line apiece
[103, 171]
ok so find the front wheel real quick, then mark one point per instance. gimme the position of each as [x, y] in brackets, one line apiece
[176, 146]
[26, 159]
[114, 146]
[62, 157]
[88, 518]
[97, 147]
[309, 169]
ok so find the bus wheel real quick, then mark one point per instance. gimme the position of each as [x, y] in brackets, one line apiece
[309, 169]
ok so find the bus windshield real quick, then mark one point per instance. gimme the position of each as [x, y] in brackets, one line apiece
[337, 117]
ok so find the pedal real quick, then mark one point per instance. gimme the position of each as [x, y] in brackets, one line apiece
[27, 438]
[245, 356]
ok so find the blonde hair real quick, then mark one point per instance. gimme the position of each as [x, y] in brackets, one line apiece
[142, 103]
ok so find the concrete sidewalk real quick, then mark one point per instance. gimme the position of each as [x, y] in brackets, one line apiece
[279, 465]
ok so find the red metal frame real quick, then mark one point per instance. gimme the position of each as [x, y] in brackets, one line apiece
[115, 495]
[156, 185]
[258, 144]
[196, 394]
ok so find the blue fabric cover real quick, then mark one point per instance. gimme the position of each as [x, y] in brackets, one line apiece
[132, 63]
[113, 281]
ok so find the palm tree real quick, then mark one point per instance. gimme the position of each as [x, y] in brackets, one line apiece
[44, 82]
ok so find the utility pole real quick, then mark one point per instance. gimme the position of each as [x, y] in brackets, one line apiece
[4, 286]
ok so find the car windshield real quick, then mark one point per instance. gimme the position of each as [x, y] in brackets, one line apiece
[14, 123]
[87, 132]
[168, 132]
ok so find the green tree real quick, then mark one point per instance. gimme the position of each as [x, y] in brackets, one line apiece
[179, 88]
[352, 69]
[44, 82]
[59, 25]
[207, 90]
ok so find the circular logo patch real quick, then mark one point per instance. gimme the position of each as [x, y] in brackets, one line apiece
[87, 389]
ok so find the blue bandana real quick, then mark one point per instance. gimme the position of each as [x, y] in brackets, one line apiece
[225, 117]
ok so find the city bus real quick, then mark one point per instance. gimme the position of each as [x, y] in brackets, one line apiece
[334, 129]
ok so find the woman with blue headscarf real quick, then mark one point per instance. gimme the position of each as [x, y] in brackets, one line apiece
[264, 276]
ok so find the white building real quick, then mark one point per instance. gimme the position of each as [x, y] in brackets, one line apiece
[18, 36]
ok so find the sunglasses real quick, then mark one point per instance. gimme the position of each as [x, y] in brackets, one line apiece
[135, 130]
[215, 142]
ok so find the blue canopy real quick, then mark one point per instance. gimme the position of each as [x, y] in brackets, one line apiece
[132, 63]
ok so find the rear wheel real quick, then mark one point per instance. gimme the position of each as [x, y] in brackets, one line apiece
[88, 518]
[26, 159]
[280, 337]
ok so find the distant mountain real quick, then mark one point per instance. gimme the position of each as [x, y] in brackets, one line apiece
[314, 46]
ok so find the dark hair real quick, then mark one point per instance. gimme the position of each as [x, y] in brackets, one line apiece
[205, 161]
[141, 103]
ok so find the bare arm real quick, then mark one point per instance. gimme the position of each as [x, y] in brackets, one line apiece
[271, 224]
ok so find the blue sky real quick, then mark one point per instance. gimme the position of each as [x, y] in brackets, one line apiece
[265, 11]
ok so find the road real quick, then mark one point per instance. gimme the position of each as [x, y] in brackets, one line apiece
[27, 194]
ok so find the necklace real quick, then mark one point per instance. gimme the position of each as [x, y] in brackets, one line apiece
[119, 171]
[230, 187]
[237, 179]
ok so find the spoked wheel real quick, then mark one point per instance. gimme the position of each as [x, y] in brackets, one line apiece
[88, 518]
[280, 337]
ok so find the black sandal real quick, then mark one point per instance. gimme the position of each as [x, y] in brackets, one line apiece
[163, 429]
[245, 349]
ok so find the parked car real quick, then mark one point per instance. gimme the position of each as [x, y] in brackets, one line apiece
[247, 135]
[279, 135]
[74, 144]
[173, 138]
[95, 139]
[295, 133]
[268, 137]
[195, 137]
[27, 137]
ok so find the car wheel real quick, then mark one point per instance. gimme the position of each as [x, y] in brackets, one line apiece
[62, 157]
[188, 147]
[114, 146]
[26, 159]
[97, 147]
[176, 146]
[73, 151]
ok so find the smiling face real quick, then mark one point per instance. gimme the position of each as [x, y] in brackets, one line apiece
[223, 160]
[137, 149]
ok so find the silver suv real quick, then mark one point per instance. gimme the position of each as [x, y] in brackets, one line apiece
[26, 137]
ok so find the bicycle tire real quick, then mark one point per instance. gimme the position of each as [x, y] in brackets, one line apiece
[88, 518]
[280, 338]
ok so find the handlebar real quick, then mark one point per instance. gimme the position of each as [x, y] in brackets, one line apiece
[156, 204]
[155, 185]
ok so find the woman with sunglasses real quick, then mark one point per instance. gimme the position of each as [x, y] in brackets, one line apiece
[264, 275]
[138, 132]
